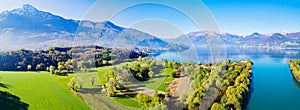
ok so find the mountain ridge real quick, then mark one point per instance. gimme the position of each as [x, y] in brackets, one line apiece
[275, 40]
[32, 28]
[28, 27]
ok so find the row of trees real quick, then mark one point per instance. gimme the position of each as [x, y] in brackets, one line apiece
[295, 68]
[64, 59]
[218, 86]
[235, 94]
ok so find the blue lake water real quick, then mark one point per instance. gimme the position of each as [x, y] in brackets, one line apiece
[273, 87]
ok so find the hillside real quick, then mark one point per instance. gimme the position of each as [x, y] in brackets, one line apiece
[30, 28]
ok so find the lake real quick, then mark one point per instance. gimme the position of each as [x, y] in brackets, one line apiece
[272, 88]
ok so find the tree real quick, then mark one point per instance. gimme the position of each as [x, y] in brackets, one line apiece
[160, 106]
[150, 74]
[92, 80]
[52, 69]
[215, 106]
[29, 67]
[165, 62]
[144, 100]
[48, 69]
[73, 85]
[68, 65]
[140, 58]
[60, 67]
[104, 62]
[38, 67]
[155, 99]
[110, 89]
[123, 76]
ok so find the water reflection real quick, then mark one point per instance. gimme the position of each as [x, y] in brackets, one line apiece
[204, 55]
[297, 84]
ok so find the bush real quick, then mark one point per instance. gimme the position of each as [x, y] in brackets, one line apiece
[73, 85]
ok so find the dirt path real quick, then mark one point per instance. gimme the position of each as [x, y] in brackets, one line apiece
[180, 86]
[95, 103]
[93, 97]
[144, 90]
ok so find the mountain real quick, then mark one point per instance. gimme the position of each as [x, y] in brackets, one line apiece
[28, 27]
[257, 40]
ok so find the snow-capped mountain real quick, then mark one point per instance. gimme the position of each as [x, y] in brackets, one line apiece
[28, 27]
[275, 40]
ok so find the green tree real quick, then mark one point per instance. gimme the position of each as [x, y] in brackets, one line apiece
[38, 67]
[110, 89]
[140, 58]
[73, 85]
[60, 67]
[92, 80]
[155, 99]
[52, 69]
[29, 67]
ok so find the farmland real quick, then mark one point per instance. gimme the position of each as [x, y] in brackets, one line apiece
[40, 90]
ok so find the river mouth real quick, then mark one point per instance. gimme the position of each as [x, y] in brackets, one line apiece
[273, 86]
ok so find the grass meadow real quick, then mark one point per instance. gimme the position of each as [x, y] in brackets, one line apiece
[38, 90]
[41, 90]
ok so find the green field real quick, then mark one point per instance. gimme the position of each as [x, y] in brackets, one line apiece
[127, 102]
[41, 90]
[99, 101]
[37, 90]
[157, 83]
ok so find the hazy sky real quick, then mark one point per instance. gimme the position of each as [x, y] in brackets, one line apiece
[233, 16]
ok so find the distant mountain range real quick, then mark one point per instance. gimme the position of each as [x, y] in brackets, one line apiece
[28, 27]
[257, 40]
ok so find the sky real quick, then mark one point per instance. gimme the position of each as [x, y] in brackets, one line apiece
[169, 19]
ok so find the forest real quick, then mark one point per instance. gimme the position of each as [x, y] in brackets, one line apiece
[295, 68]
[63, 59]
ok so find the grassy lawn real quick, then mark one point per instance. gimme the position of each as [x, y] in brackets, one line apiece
[99, 101]
[102, 70]
[101, 73]
[41, 91]
[164, 86]
[85, 79]
[152, 83]
[168, 71]
[64, 80]
[127, 102]
[119, 101]
[159, 83]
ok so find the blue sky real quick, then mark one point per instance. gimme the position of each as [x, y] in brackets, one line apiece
[248, 16]
[233, 16]
[67, 8]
